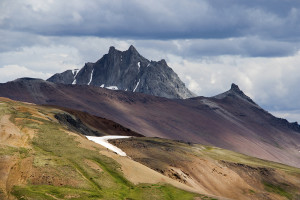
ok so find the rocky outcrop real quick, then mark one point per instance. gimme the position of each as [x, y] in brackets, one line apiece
[128, 71]
[235, 92]
[66, 77]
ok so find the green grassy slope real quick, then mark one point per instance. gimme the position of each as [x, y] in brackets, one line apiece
[59, 169]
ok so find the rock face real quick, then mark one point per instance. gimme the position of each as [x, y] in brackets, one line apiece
[128, 71]
[235, 92]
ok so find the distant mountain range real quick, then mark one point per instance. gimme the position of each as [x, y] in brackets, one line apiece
[230, 120]
[128, 71]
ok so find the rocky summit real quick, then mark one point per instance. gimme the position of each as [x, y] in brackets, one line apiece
[128, 71]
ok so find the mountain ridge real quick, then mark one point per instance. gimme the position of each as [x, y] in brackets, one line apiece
[128, 71]
[231, 123]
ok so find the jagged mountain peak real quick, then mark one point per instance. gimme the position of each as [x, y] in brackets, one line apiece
[235, 91]
[235, 87]
[128, 71]
[132, 49]
[111, 49]
[163, 61]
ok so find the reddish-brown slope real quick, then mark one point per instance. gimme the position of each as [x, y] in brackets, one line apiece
[228, 121]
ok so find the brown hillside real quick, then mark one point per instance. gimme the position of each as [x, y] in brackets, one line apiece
[229, 121]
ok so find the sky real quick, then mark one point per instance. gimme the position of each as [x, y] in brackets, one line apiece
[208, 43]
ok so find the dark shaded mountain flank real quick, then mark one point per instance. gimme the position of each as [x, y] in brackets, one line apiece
[128, 71]
[76, 125]
[231, 121]
[91, 125]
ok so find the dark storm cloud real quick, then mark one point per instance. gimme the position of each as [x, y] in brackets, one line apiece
[198, 48]
[168, 19]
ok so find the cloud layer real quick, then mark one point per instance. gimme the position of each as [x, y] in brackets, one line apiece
[165, 19]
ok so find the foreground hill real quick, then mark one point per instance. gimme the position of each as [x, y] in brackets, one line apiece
[128, 71]
[230, 120]
[215, 170]
[40, 158]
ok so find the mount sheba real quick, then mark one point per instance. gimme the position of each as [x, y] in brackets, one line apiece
[128, 71]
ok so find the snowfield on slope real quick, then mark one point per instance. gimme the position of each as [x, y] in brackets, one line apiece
[112, 88]
[104, 142]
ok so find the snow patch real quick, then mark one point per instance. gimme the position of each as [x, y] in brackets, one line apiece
[102, 86]
[139, 65]
[136, 85]
[112, 87]
[74, 71]
[148, 64]
[91, 77]
[104, 142]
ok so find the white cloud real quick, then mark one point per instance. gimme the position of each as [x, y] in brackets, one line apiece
[12, 72]
[193, 85]
[37, 5]
[47, 59]
[271, 82]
